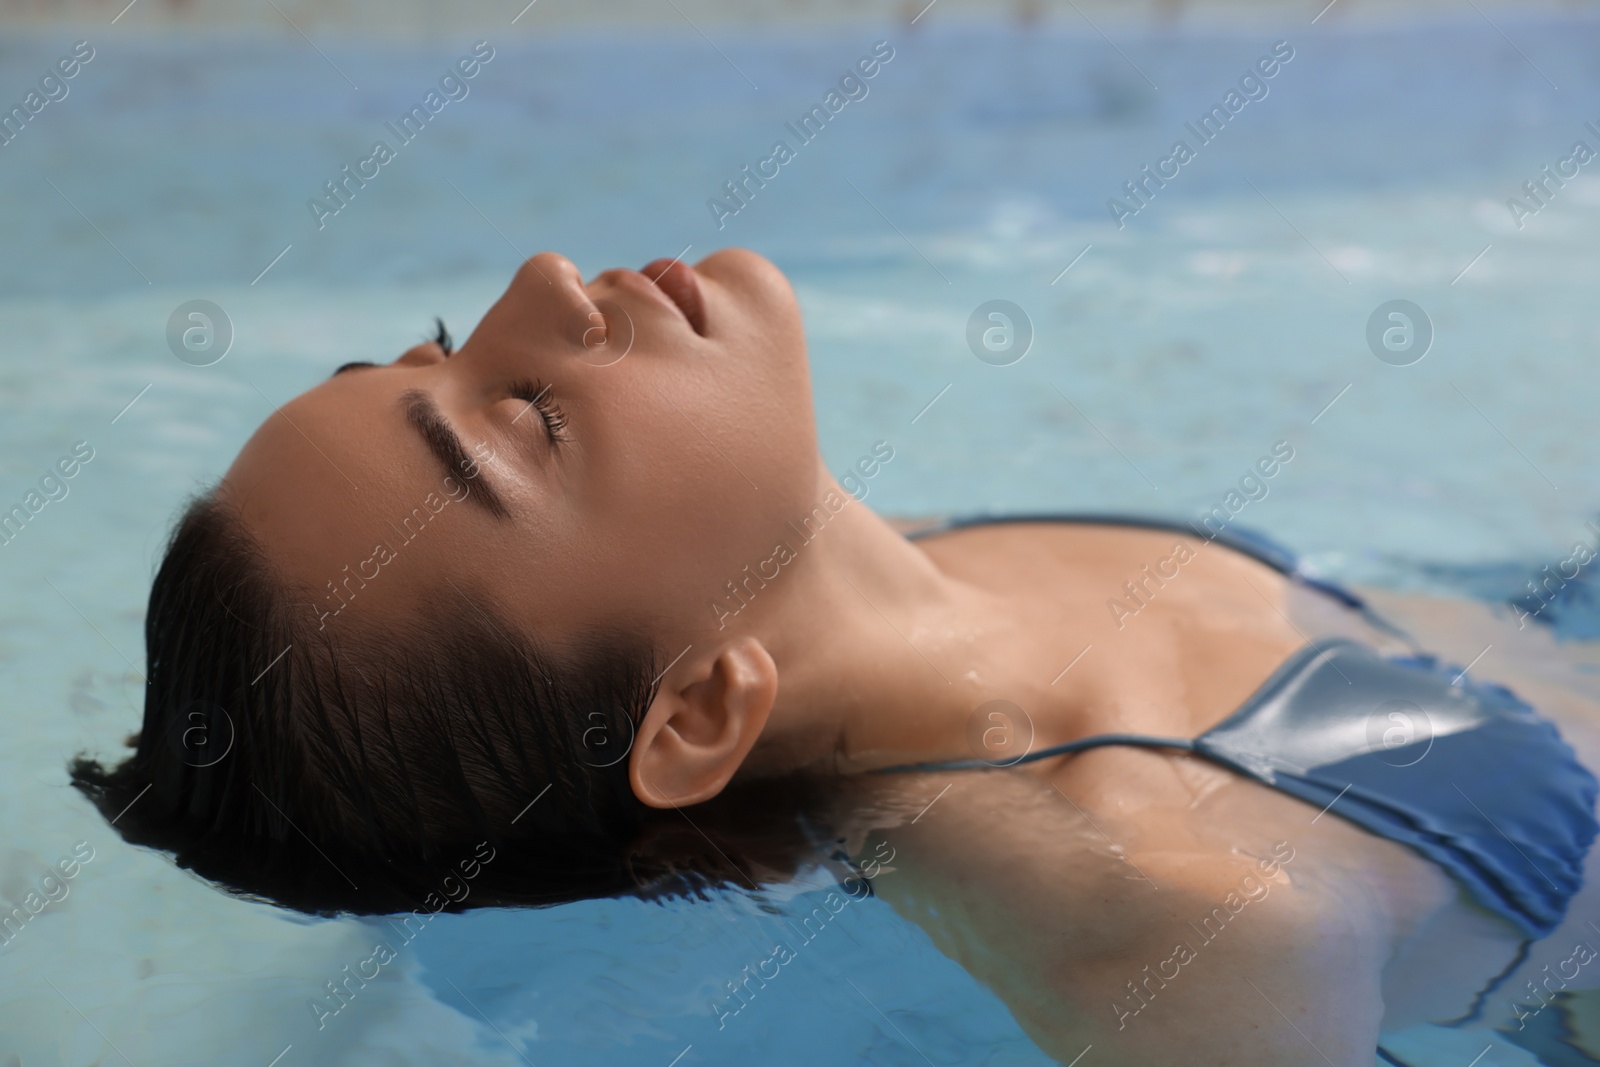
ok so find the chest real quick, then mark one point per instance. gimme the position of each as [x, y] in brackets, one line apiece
[1131, 630]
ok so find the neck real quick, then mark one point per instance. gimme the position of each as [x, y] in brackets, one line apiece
[882, 656]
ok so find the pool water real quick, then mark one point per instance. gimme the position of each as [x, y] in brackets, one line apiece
[1230, 313]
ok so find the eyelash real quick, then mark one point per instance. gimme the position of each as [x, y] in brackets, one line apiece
[538, 394]
[441, 336]
[535, 393]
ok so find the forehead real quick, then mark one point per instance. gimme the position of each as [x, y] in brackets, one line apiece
[332, 475]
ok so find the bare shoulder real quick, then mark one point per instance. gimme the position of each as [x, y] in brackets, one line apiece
[1168, 566]
[1560, 678]
[1155, 953]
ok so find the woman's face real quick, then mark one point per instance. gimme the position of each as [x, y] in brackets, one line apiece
[677, 464]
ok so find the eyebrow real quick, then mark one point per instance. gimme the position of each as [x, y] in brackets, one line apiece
[423, 415]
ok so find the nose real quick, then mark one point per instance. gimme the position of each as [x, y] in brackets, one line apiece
[551, 300]
[543, 315]
[549, 269]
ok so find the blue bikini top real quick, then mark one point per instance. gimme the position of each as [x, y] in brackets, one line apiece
[1406, 747]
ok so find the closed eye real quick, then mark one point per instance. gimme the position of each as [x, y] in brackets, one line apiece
[537, 396]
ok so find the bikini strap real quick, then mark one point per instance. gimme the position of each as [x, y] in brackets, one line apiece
[1097, 741]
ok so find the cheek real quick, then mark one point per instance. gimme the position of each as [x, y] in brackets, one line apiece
[648, 514]
[690, 481]
[696, 455]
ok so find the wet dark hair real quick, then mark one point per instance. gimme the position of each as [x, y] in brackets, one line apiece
[355, 772]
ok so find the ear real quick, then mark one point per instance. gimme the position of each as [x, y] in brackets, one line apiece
[702, 725]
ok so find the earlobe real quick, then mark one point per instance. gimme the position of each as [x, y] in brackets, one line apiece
[704, 721]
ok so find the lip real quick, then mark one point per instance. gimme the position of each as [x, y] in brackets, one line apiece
[677, 281]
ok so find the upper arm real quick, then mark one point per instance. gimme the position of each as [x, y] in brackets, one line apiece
[1089, 945]
[1275, 984]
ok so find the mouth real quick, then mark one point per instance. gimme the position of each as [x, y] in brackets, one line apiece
[677, 281]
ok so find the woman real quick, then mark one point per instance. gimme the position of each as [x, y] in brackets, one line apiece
[581, 598]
